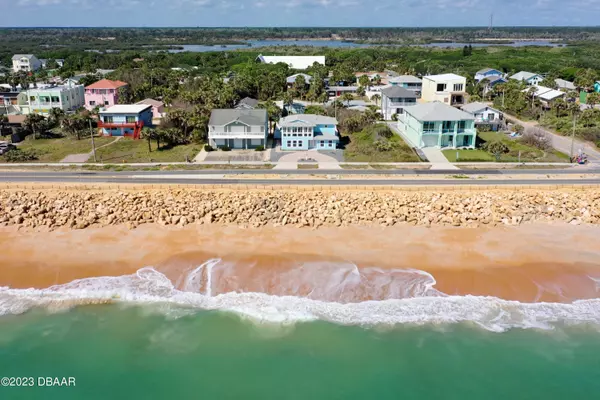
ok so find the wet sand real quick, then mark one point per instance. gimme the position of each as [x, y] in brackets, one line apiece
[538, 262]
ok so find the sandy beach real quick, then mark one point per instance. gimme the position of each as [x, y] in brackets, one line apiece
[529, 263]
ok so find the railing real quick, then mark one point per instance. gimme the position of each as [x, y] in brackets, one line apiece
[256, 135]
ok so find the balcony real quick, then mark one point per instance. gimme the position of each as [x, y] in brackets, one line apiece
[247, 135]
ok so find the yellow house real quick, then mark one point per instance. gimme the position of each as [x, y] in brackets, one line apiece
[449, 89]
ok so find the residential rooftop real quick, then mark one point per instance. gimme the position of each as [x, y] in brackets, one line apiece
[307, 119]
[405, 79]
[224, 116]
[436, 111]
[398, 91]
[476, 106]
[106, 84]
[443, 77]
[126, 109]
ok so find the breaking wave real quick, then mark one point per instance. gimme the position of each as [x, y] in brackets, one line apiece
[335, 292]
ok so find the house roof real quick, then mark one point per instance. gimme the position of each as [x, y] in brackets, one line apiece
[307, 119]
[19, 56]
[405, 79]
[562, 84]
[476, 106]
[437, 111]
[545, 93]
[126, 109]
[343, 88]
[248, 117]
[152, 102]
[397, 91]
[248, 101]
[486, 70]
[493, 78]
[443, 77]
[106, 84]
[295, 62]
[292, 78]
[523, 76]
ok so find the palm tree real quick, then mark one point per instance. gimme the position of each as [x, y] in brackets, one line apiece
[347, 97]
[35, 123]
[559, 105]
[55, 116]
[288, 100]
[376, 98]
[360, 91]
[532, 91]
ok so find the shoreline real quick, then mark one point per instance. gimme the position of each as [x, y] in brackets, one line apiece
[529, 263]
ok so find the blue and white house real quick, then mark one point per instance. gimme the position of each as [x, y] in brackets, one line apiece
[409, 82]
[486, 73]
[308, 131]
[125, 119]
[528, 77]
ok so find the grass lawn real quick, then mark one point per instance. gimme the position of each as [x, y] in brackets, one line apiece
[136, 151]
[362, 147]
[528, 153]
[54, 150]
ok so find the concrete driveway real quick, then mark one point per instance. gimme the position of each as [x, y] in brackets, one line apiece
[290, 160]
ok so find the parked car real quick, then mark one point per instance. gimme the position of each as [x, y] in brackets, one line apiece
[5, 147]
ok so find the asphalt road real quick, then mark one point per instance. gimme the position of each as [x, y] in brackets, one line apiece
[175, 177]
[416, 172]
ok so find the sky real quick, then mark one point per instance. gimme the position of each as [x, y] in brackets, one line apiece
[210, 13]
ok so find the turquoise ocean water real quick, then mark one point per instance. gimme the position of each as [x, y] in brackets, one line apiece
[169, 352]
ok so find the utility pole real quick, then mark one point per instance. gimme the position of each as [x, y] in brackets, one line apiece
[573, 137]
[93, 144]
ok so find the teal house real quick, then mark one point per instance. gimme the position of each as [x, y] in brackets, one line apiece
[437, 125]
[308, 131]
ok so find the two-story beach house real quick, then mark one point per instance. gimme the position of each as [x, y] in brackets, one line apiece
[238, 129]
[125, 119]
[446, 88]
[487, 73]
[489, 82]
[42, 100]
[291, 80]
[437, 125]
[408, 82]
[484, 115]
[308, 131]
[25, 62]
[104, 93]
[394, 99]
[528, 77]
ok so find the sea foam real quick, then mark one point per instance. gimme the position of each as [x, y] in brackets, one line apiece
[427, 306]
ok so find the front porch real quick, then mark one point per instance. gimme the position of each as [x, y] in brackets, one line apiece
[448, 140]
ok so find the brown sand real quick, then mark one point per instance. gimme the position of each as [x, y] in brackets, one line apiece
[526, 263]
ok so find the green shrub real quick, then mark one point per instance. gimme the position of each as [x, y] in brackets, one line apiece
[394, 117]
[208, 147]
[382, 131]
[598, 144]
[225, 148]
[259, 148]
[17, 155]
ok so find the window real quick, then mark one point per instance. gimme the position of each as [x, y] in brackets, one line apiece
[447, 126]
[262, 128]
[55, 99]
[92, 103]
[428, 126]
[441, 87]
[108, 119]
[248, 129]
[461, 126]
[294, 144]
[129, 119]
[458, 87]
[106, 102]
[31, 98]
[330, 143]
[289, 143]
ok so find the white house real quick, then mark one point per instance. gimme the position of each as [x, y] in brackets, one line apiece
[238, 129]
[25, 62]
[528, 77]
[290, 80]
[394, 99]
[545, 95]
[484, 114]
[43, 99]
[294, 62]
[446, 88]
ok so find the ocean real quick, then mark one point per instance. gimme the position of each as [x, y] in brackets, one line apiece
[159, 352]
[226, 313]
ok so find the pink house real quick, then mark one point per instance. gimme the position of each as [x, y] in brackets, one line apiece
[158, 107]
[104, 93]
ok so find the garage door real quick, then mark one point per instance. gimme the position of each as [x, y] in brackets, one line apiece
[256, 142]
[238, 143]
